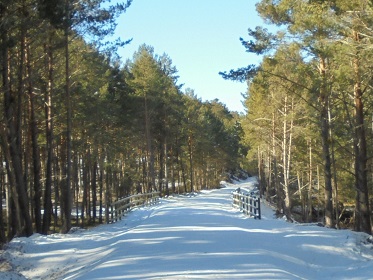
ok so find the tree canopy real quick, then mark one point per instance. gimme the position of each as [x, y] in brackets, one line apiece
[80, 129]
[309, 107]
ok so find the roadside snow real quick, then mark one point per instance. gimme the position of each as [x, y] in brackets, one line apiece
[193, 237]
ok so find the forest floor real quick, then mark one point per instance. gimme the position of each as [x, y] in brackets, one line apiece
[196, 236]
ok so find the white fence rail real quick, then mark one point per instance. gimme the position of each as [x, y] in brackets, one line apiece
[120, 207]
[247, 202]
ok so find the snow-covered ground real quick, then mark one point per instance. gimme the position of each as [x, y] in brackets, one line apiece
[193, 237]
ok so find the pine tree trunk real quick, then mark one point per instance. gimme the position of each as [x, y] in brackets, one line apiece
[76, 185]
[286, 148]
[191, 163]
[310, 184]
[66, 222]
[2, 225]
[101, 183]
[13, 217]
[275, 169]
[161, 167]
[324, 120]
[14, 164]
[94, 191]
[35, 147]
[166, 168]
[183, 173]
[362, 212]
[49, 139]
[335, 179]
[301, 196]
[149, 146]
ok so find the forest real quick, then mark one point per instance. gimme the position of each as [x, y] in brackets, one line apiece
[80, 128]
[309, 123]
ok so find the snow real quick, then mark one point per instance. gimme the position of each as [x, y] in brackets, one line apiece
[193, 237]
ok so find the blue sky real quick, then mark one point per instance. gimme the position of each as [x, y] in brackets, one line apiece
[200, 36]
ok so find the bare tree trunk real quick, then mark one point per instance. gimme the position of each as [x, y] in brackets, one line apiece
[172, 171]
[301, 196]
[286, 155]
[66, 221]
[191, 162]
[362, 212]
[183, 173]
[149, 146]
[2, 224]
[108, 197]
[57, 170]
[85, 187]
[335, 179]
[35, 147]
[161, 167]
[324, 99]
[101, 183]
[275, 169]
[94, 190]
[166, 168]
[310, 184]
[49, 139]
[14, 217]
[14, 164]
[76, 184]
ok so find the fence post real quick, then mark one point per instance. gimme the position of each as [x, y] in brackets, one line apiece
[122, 206]
[247, 203]
[107, 212]
[251, 204]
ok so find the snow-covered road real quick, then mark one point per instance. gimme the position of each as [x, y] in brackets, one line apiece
[195, 237]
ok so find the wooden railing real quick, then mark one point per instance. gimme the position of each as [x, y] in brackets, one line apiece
[120, 207]
[247, 202]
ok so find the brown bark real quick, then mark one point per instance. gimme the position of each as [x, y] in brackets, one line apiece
[35, 147]
[66, 191]
[362, 213]
[11, 116]
[324, 124]
[94, 190]
[190, 141]
[49, 139]
[149, 145]
[286, 157]
[310, 184]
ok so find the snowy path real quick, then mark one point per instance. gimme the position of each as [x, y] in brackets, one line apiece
[200, 237]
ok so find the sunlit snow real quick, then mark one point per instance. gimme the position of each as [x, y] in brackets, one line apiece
[194, 237]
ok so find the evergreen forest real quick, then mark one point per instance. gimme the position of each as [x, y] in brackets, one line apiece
[309, 124]
[80, 128]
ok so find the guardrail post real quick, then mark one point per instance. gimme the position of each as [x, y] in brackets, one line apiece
[259, 210]
[122, 206]
[247, 203]
[251, 205]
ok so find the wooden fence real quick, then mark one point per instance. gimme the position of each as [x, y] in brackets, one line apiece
[120, 207]
[247, 202]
